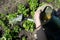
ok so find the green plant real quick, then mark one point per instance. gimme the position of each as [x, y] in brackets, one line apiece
[6, 30]
[16, 28]
[49, 0]
[57, 4]
[10, 17]
[33, 6]
[3, 38]
[2, 16]
[29, 25]
[24, 38]
[22, 10]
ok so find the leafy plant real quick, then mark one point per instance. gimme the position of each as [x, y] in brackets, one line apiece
[33, 6]
[49, 0]
[2, 16]
[6, 30]
[10, 17]
[24, 38]
[57, 4]
[28, 25]
[22, 10]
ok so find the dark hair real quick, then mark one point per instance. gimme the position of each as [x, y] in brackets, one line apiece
[58, 12]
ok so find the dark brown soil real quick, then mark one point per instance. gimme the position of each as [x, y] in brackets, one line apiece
[10, 6]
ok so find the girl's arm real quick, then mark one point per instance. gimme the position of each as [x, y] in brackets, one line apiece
[39, 29]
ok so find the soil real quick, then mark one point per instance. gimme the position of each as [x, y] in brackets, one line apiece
[10, 6]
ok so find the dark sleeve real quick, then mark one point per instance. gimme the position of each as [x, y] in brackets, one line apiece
[41, 35]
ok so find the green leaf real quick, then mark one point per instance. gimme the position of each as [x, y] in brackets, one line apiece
[28, 25]
[23, 38]
[49, 0]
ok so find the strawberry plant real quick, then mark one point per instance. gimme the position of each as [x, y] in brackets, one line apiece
[24, 38]
[33, 6]
[49, 0]
[6, 30]
[29, 25]
[22, 10]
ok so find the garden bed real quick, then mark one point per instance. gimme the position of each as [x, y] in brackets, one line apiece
[16, 18]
